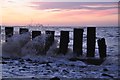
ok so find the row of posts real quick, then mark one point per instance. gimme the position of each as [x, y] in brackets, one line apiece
[64, 40]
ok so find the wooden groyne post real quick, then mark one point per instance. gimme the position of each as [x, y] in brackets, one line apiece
[49, 39]
[51, 33]
[8, 32]
[23, 30]
[35, 34]
[64, 40]
[78, 41]
[102, 47]
[91, 40]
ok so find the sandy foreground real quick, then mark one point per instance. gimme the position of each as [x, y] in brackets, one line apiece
[59, 66]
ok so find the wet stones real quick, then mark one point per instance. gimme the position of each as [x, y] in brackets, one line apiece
[105, 69]
[55, 78]
[94, 61]
[22, 69]
[29, 60]
[4, 62]
[107, 75]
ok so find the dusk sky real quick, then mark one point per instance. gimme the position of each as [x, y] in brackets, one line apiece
[30, 12]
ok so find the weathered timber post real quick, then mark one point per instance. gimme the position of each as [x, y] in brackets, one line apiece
[78, 41]
[64, 40]
[91, 40]
[35, 34]
[8, 32]
[51, 33]
[102, 48]
[23, 30]
[49, 39]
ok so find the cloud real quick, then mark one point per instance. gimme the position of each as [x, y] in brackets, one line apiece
[74, 5]
[72, 9]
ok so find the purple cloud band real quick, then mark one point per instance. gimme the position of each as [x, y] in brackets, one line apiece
[75, 5]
